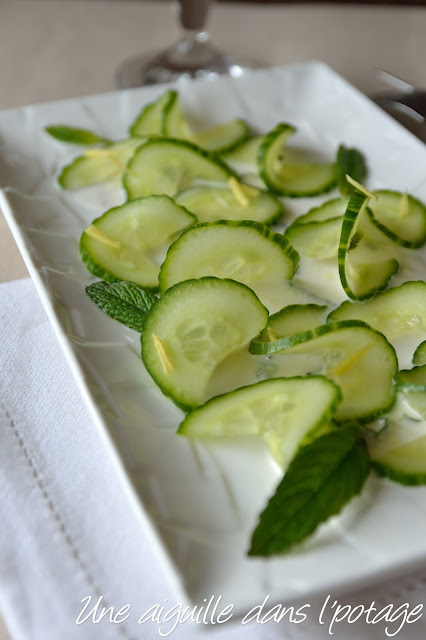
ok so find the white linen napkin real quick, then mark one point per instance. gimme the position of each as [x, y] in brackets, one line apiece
[68, 529]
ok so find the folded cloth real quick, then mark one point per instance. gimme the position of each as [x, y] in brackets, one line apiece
[72, 544]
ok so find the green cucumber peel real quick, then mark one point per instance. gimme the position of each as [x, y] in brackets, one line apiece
[319, 482]
[124, 301]
[349, 162]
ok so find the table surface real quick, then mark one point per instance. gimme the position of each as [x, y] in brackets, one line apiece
[52, 50]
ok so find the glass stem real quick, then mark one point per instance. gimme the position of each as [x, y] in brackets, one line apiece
[192, 48]
[193, 14]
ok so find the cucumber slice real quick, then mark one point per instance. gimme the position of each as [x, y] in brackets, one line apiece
[397, 312]
[412, 379]
[275, 409]
[166, 166]
[244, 153]
[417, 401]
[419, 356]
[246, 251]
[363, 271]
[211, 202]
[357, 358]
[399, 451]
[192, 328]
[333, 208]
[296, 318]
[405, 464]
[149, 121]
[411, 383]
[99, 165]
[220, 138]
[316, 239]
[117, 245]
[401, 217]
[283, 174]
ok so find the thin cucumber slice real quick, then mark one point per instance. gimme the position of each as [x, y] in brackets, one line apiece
[214, 202]
[398, 452]
[316, 239]
[401, 217]
[412, 379]
[419, 356]
[220, 138]
[246, 251]
[296, 318]
[245, 153]
[358, 359]
[118, 244]
[417, 401]
[411, 383]
[149, 122]
[363, 271]
[283, 175]
[99, 165]
[275, 409]
[333, 208]
[166, 166]
[192, 328]
[405, 464]
[397, 312]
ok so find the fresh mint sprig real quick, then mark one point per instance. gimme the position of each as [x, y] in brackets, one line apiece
[321, 479]
[350, 162]
[74, 135]
[124, 301]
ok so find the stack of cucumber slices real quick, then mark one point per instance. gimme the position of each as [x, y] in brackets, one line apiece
[205, 262]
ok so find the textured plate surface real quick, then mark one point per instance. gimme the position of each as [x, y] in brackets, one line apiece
[203, 501]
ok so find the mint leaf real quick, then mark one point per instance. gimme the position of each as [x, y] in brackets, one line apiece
[124, 301]
[74, 135]
[350, 162]
[322, 478]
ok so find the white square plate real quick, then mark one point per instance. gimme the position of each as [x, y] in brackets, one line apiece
[203, 501]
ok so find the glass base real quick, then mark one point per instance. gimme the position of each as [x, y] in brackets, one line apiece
[178, 65]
